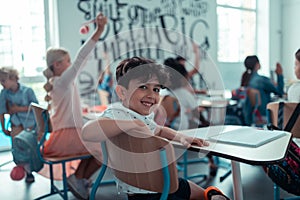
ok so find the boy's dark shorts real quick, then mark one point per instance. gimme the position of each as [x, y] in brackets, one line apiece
[183, 193]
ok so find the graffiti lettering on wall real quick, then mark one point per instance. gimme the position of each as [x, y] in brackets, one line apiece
[150, 28]
[184, 16]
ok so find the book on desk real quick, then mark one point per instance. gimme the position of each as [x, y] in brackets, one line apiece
[249, 137]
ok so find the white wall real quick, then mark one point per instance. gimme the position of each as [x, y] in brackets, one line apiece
[277, 36]
[290, 35]
[263, 36]
[275, 31]
[199, 22]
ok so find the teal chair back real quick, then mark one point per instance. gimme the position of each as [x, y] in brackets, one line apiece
[143, 161]
[44, 128]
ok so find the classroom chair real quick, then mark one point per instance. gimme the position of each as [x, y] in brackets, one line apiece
[255, 101]
[43, 129]
[279, 116]
[144, 161]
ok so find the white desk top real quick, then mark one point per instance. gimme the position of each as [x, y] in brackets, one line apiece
[267, 153]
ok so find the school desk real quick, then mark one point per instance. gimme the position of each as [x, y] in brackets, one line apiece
[251, 152]
[267, 149]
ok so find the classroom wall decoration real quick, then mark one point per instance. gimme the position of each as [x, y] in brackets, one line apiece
[155, 29]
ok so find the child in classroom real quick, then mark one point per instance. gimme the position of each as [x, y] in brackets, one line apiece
[105, 83]
[139, 81]
[66, 113]
[15, 99]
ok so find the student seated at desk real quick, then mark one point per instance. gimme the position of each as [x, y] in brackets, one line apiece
[265, 85]
[139, 81]
[189, 113]
[180, 89]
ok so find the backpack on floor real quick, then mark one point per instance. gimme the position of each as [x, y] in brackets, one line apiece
[24, 150]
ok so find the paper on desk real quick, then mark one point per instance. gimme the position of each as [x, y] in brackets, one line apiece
[250, 137]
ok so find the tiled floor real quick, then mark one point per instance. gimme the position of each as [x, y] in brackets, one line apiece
[256, 185]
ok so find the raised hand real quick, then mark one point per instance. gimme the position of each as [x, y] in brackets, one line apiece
[278, 69]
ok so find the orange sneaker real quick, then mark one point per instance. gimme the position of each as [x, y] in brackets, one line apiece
[213, 193]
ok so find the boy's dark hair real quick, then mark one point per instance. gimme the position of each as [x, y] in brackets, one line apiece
[140, 68]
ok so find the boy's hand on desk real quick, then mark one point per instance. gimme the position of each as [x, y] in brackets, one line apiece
[188, 141]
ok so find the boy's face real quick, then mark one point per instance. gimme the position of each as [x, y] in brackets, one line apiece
[297, 69]
[7, 83]
[141, 96]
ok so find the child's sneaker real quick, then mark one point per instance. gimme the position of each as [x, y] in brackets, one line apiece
[78, 187]
[29, 178]
[213, 193]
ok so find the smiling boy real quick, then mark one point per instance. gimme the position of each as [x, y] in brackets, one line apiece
[139, 81]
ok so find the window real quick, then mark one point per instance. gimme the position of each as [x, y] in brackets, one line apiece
[6, 53]
[22, 41]
[22, 36]
[236, 29]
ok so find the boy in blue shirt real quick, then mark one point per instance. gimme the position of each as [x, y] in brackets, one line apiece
[15, 99]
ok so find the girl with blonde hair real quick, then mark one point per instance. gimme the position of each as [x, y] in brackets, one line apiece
[65, 110]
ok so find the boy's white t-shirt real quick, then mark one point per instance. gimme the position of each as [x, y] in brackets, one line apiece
[118, 112]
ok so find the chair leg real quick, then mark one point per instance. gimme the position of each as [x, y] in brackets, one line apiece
[222, 178]
[224, 165]
[52, 187]
[276, 192]
[166, 174]
[65, 185]
[185, 164]
[98, 181]
[101, 173]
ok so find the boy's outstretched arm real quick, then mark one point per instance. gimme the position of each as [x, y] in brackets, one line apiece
[101, 129]
[196, 66]
[187, 141]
